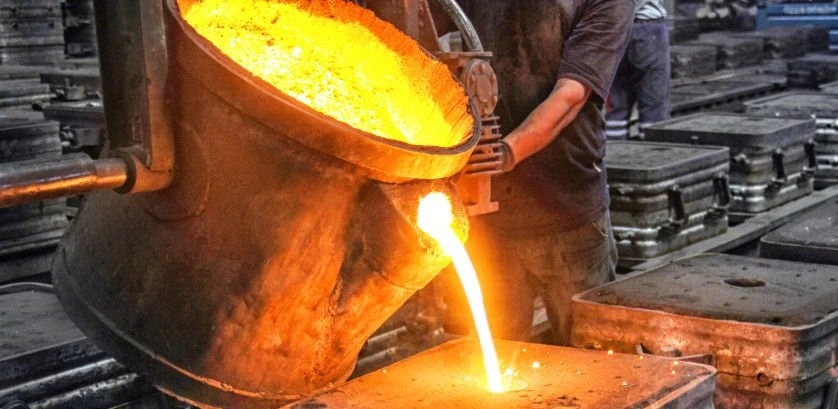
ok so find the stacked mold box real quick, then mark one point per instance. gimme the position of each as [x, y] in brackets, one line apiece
[811, 238]
[823, 108]
[23, 93]
[21, 88]
[769, 326]
[31, 32]
[779, 42]
[829, 87]
[29, 232]
[77, 107]
[771, 159]
[82, 124]
[732, 52]
[760, 74]
[80, 28]
[690, 61]
[665, 196]
[812, 70]
[682, 29]
[723, 94]
[817, 38]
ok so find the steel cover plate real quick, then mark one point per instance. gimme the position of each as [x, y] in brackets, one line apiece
[732, 130]
[829, 88]
[450, 376]
[31, 318]
[684, 101]
[728, 287]
[645, 162]
[802, 104]
[811, 238]
[36, 335]
[769, 326]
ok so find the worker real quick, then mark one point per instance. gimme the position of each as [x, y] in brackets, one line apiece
[555, 61]
[643, 75]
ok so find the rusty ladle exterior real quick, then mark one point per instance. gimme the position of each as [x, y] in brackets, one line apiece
[285, 239]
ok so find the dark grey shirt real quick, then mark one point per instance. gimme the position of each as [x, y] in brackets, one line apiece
[535, 42]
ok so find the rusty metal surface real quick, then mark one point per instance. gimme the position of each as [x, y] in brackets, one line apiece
[771, 326]
[277, 225]
[813, 69]
[199, 61]
[450, 376]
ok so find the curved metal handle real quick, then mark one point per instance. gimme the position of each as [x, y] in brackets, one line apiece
[706, 359]
[676, 205]
[778, 158]
[456, 14]
[721, 191]
[809, 147]
[39, 179]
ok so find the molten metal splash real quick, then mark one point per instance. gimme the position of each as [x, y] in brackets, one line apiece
[435, 219]
[342, 61]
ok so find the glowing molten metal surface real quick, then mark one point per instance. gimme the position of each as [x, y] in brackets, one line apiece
[342, 61]
[435, 219]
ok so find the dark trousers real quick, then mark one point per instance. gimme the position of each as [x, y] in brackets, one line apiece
[514, 270]
[642, 78]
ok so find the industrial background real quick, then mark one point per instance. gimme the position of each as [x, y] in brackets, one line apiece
[725, 216]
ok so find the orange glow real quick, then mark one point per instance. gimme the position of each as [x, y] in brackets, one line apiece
[342, 61]
[435, 218]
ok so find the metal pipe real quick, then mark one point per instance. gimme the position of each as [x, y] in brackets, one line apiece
[103, 394]
[32, 180]
[456, 14]
[54, 384]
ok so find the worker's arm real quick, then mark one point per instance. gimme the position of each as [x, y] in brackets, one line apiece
[543, 125]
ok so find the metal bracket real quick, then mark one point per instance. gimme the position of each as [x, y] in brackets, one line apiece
[721, 190]
[706, 359]
[133, 55]
[676, 205]
[780, 175]
[812, 159]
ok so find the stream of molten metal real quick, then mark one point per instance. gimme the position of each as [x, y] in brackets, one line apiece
[435, 218]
